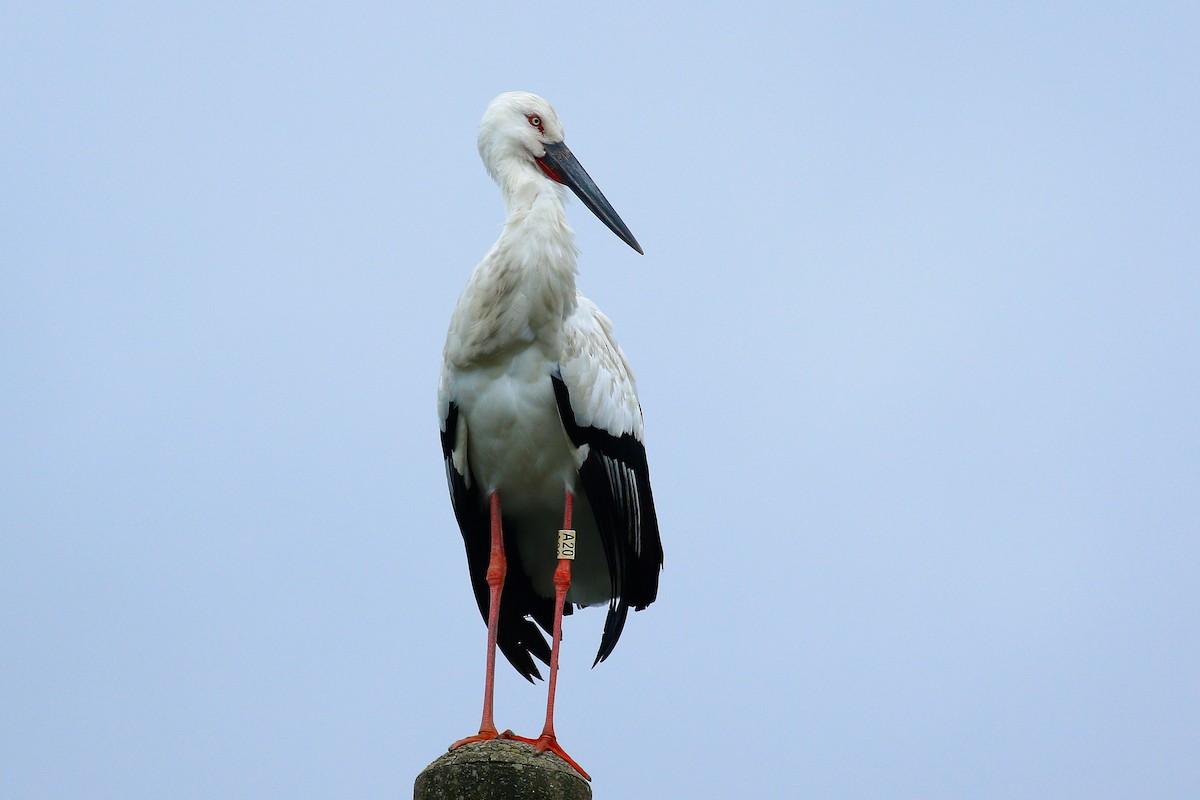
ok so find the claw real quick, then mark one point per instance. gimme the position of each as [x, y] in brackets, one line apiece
[482, 736]
[546, 742]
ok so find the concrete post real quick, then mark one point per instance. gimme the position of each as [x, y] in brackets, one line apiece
[501, 769]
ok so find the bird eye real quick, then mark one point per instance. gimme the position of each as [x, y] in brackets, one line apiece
[536, 122]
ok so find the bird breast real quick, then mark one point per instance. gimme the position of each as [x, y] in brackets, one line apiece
[516, 442]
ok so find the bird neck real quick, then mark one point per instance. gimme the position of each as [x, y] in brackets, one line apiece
[538, 248]
[537, 237]
[524, 288]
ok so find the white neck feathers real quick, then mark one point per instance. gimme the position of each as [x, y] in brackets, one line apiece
[525, 286]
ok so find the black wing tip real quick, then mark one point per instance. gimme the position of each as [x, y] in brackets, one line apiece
[523, 664]
[449, 433]
[521, 642]
[618, 611]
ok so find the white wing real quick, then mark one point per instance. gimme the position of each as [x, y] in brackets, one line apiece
[595, 370]
[598, 405]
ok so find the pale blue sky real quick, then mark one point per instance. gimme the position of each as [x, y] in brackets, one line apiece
[917, 334]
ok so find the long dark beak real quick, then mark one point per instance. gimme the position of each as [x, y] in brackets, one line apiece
[561, 165]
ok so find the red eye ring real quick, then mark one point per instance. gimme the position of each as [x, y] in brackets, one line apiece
[536, 122]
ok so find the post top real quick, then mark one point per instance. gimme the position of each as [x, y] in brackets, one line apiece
[500, 768]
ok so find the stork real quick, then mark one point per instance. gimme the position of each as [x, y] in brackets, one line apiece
[540, 420]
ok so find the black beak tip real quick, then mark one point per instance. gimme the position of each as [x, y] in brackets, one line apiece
[561, 165]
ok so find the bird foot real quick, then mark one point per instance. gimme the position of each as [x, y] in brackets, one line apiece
[484, 735]
[545, 742]
[487, 735]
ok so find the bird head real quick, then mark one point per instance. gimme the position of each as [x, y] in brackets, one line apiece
[521, 138]
[517, 126]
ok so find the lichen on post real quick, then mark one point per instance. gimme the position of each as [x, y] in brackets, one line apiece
[500, 769]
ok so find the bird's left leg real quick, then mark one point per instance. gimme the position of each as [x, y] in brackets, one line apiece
[562, 582]
[497, 569]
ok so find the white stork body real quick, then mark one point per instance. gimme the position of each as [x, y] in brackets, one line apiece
[516, 442]
[539, 411]
[516, 445]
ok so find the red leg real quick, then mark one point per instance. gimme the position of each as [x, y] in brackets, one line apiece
[497, 567]
[562, 582]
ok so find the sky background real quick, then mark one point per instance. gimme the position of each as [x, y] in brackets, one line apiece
[917, 335]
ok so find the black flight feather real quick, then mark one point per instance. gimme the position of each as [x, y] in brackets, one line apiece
[616, 479]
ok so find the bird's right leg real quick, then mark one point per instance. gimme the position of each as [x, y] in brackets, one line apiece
[497, 567]
[562, 582]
